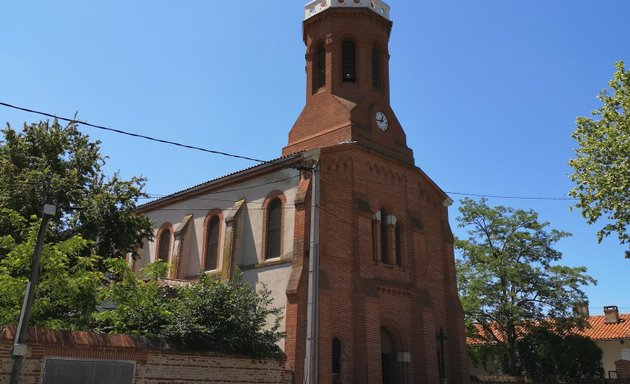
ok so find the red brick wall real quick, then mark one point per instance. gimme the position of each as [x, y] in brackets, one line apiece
[154, 364]
[623, 369]
[359, 294]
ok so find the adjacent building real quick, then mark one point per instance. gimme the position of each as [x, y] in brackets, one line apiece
[610, 332]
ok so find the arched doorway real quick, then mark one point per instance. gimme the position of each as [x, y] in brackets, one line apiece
[389, 366]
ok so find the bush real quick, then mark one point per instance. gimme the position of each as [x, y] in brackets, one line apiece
[547, 355]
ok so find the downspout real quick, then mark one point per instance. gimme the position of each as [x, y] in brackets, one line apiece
[311, 362]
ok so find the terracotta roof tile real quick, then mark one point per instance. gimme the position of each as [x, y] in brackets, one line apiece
[596, 329]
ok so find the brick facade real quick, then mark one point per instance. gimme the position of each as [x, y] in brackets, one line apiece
[154, 363]
[360, 295]
[623, 369]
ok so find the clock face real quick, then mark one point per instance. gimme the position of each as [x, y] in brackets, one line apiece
[381, 121]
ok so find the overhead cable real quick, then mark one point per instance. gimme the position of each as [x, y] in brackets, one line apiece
[137, 135]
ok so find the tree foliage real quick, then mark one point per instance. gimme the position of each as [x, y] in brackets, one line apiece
[208, 314]
[601, 169]
[61, 163]
[508, 279]
[74, 294]
[68, 285]
[85, 282]
[546, 355]
[137, 306]
[227, 316]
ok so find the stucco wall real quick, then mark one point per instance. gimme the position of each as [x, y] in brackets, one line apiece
[248, 250]
[611, 352]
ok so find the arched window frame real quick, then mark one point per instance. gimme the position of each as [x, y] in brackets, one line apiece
[266, 225]
[319, 67]
[399, 240]
[384, 240]
[349, 60]
[215, 213]
[336, 358]
[377, 67]
[166, 227]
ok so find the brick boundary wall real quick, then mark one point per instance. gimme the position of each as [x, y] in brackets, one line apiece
[623, 369]
[155, 362]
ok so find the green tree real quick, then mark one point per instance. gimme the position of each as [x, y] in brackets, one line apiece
[507, 277]
[140, 307]
[546, 355]
[601, 169]
[208, 314]
[227, 316]
[68, 286]
[61, 162]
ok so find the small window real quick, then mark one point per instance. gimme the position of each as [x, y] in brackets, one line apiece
[164, 244]
[274, 226]
[319, 68]
[349, 62]
[336, 358]
[399, 250]
[212, 243]
[384, 237]
[377, 68]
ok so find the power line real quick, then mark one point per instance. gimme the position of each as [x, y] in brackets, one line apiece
[514, 197]
[485, 195]
[246, 157]
[137, 135]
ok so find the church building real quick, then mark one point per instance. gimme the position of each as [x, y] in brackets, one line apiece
[351, 237]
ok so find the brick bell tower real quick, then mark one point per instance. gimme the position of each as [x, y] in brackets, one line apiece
[388, 310]
[347, 82]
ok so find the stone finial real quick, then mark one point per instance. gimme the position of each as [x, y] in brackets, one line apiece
[317, 6]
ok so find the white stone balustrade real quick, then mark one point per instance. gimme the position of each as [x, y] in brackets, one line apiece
[317, 6]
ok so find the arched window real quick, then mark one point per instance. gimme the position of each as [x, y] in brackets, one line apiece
[319, 68]
[399, 245]
[212, 243]
[336, 359]
[377, 68]
[384, 237]
[349, 62]
[274, 228]
[164, 244]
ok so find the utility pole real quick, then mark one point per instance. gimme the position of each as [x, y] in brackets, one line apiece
[19, 346]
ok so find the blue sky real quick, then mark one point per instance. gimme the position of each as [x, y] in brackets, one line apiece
[487, 91]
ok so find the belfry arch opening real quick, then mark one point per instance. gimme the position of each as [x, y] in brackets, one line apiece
[349, 61]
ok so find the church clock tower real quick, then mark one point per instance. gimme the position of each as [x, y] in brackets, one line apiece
[386, 281]
[347, 90]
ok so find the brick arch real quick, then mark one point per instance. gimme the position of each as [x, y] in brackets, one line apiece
[318, 79]
[394, 357]
[399, 336]
[356, 41]
[204, 249]
[158, 244]
[276, 194]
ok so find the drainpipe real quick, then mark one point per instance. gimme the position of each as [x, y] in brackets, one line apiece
[311, 361]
